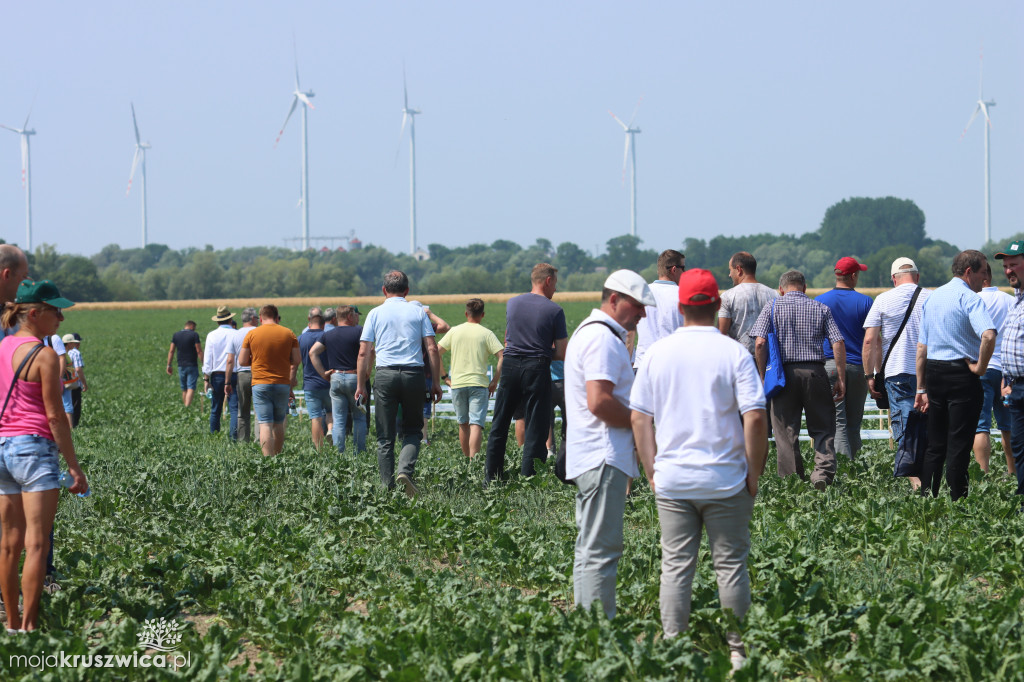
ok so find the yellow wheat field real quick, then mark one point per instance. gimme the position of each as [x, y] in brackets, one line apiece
[324, 301]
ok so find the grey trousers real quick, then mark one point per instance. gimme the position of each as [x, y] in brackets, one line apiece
[600, 505]
[392, 387]
[244, 389]
[849, 410]
[806, 390]
[728, 525]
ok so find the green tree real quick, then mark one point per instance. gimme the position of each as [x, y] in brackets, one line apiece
[624, 252]
[78, 280]
[571, 259]
[862, 225]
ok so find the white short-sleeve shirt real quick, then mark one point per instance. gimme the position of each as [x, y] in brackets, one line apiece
[696, 383]
[595, 353]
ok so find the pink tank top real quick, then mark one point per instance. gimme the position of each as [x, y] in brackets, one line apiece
[25, 413]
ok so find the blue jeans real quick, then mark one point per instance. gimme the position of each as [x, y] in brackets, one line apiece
[992, 387]
[901, 389]
[343, 399]
[1016, 401]
[270, 401]
[217, 404]
[188, 377]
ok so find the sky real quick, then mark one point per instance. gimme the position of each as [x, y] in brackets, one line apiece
[755, 117]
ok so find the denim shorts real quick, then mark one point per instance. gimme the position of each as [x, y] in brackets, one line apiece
[470, 404]
[318, 402]
[189, 377]
[69, 407]
[28, 464]
[270, 401]
[992, 386]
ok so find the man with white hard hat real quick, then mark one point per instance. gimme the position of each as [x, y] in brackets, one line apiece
[599, 439]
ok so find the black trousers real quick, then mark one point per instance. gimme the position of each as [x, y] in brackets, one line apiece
[525, 381]
[954, 405]
[76, 404]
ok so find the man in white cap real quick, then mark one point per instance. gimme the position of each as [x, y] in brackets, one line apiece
[898, 377]
[599, 439]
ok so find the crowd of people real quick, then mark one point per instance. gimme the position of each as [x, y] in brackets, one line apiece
[666, 378]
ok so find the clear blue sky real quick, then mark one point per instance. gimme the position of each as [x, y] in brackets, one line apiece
[756, 117]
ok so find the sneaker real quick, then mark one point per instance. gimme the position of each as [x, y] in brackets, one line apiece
[50, 584]
[410, 487]
[737, 660]
[820, 485]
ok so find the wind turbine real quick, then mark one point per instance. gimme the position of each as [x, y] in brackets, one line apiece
[26, 174]
[140, 155]
[631, 133]
[983, 107]
[410, 116]
[301, 96]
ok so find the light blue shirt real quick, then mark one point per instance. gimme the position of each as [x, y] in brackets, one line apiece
[397, 329]
[952, 322]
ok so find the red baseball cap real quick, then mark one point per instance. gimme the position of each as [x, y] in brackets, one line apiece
[847, 266]
[695, 282]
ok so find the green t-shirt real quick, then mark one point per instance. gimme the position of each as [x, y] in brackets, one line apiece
[471, 345]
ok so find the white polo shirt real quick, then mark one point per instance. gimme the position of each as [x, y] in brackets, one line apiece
[661, 320]
[696, 383]
[595, 353]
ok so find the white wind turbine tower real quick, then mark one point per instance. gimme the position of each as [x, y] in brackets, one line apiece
[26, 175]
[631, 133]
[140, 156]
[983, 107]
[409, 115]
[301, 96]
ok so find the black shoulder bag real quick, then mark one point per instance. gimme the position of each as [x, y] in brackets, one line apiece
[560, 459]
[883, 401]
[24, 363]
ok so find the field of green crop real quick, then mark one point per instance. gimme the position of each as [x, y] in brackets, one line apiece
[301, 567]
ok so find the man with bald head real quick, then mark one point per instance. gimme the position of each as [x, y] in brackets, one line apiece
[13, 269]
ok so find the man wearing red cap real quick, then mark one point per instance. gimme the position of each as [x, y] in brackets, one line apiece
[802, 325]
[849, 309]
[701, 461]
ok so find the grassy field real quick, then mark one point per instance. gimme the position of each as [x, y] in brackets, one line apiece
[301, 568]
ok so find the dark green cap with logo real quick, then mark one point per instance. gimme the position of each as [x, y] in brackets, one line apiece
[1014, 249]
[43, 291]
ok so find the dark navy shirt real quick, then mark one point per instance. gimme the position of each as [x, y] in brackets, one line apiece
[185, 341]
[532, 325]
[310, 378]
[342, 347]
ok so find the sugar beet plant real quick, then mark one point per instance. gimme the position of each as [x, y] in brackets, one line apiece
[301, 567]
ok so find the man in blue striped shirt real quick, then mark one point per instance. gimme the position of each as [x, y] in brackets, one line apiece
[1013, 353]
[956, 342]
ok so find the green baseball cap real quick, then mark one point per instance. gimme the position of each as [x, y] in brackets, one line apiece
[1014, 249]
[43, 291]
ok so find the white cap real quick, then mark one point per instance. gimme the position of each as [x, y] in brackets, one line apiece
[630, 283]
[898, 266]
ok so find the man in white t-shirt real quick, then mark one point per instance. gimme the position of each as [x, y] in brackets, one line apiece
[742, 304]
[664, 318]
[702, 394]
[998, 304]
[598, 440]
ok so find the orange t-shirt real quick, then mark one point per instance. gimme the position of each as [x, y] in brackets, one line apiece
[271, 347]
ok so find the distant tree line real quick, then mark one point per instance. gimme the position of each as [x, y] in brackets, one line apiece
[875, 231]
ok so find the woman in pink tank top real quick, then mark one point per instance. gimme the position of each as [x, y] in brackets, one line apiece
[33, 429]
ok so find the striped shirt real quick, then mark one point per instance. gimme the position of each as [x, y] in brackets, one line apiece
[1013, 340]
[802, 326]
[887, 314]
[952, 322]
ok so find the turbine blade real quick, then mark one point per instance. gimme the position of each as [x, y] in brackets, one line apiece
[401, 134]
[635, 110]
[305, 99]
[24, 158]
[973, 116]
[13, 130]
[625, 158]
[984, 110]
[405, 88]
[295, 53]
[295, 103]
[619, 121]
[138, 140]
[135, 164]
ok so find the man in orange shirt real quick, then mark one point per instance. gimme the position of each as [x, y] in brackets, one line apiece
[273, 353]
